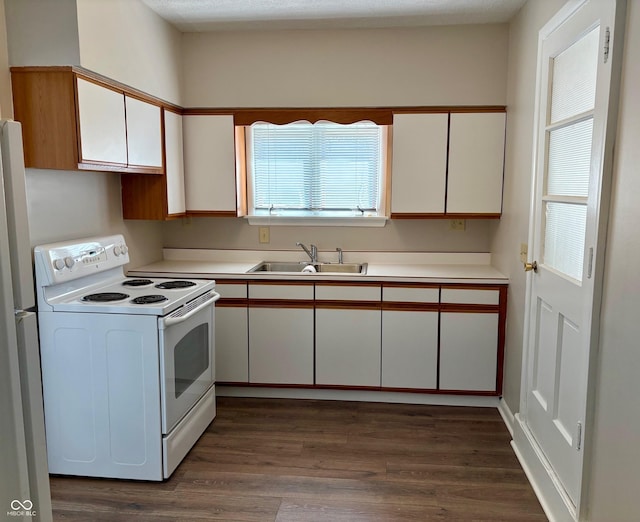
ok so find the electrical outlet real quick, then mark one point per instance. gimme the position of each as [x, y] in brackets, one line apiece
[457, 224]
[264, 234]
[524, 251]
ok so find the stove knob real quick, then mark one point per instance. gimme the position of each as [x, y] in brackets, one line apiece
[69, 261]
[116, 250]
[124, 249]
[58, 264]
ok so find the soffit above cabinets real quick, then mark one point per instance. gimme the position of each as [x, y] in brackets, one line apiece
[217, 15]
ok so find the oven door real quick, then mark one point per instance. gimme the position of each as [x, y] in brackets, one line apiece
[187, 357]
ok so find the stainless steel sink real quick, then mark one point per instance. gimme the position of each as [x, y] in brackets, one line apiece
[322, 268]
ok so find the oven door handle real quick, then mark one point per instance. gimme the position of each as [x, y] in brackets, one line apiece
[168, 321]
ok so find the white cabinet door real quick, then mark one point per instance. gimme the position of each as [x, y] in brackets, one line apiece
[410, 349]
[210, 164]
[102, 126]
[468, 351]
[232, 344]
[419, 170]
[281, 345]
[348, 347]
[476, 163]
[174, 163]
[144, 133]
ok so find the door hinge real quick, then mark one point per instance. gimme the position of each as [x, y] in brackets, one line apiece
[579, 437]
[590, 263]
[607, 38]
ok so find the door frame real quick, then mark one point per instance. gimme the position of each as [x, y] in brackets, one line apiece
[547, 486]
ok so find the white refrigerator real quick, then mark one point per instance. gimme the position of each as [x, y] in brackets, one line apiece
[24, 479]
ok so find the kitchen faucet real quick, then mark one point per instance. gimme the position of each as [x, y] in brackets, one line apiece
[313, 253]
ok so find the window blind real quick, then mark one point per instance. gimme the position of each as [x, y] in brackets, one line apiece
[323, 168]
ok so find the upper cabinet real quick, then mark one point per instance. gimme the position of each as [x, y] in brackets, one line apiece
[210, 165]
[447, 165]
[75, 120]
[419, 170]
[476, 163]
[159, 197]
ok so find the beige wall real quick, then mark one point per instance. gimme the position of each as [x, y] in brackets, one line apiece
[616, 460]
[452, 65]
[397, 235]
[612, 449]
[67, 205]
[128, 42]
[456, 65]
[6, 107]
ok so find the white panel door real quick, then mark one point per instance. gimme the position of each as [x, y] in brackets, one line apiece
[175, 163]
[103, 137]
[348, 346]
[568, 227]
[476, 163]
[410, 349]
[419, 170]
[232, 344]
[144, 133]
[468, 351]
[210, 163]
[281, 345]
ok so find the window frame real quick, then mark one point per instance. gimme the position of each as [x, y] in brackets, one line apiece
[381, 117]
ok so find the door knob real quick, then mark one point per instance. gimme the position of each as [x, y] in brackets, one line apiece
[531, 266]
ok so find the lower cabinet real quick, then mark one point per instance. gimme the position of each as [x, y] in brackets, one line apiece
[410, 349]
[348, 347]
[410, 335]
[471, 335]
[281, 324]
[436, 338]
[232, 333]
[281, 341]
[468, 351]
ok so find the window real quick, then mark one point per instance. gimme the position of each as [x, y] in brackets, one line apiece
[310, 171]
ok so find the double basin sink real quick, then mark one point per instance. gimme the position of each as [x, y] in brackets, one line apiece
[306, 267]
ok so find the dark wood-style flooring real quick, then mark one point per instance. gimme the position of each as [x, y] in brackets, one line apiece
[294, 460]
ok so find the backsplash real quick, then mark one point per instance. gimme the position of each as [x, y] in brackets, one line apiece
[432, 235]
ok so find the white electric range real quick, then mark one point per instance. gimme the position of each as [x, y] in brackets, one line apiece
[128, 364]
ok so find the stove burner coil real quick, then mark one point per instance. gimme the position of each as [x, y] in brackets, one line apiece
[170, 285]
[149, 299]
[137, 282]
[105, 297]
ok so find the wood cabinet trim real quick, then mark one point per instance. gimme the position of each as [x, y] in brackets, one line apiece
[233, 302]
[349, 283]
[284, 282]
[348, 305]
[420, 215]
[211, 213]
[409, 284]
[279, 303]
[401, 306]
[469, 308]
[379, 115]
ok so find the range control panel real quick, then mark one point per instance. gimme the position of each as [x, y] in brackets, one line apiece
[59, 262]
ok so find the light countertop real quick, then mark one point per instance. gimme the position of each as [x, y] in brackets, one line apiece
[382, 266]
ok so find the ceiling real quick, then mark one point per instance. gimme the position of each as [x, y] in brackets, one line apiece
[217, 15]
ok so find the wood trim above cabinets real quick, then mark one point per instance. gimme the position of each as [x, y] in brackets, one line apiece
[419, 215]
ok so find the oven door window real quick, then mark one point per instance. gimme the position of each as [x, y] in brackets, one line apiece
[191, 358]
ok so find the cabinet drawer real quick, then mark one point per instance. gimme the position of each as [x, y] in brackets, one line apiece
[258, 291]
[411, 294]
[467, 296]
[347, 293]
[230, 290]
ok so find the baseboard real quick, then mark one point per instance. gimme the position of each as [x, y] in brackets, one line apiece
[357, 395]
[507, 415]
[552, 497]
